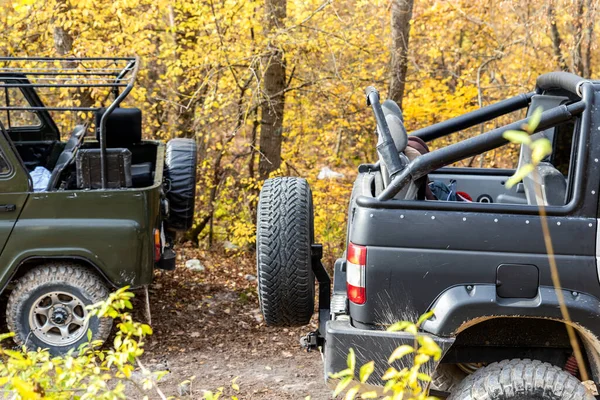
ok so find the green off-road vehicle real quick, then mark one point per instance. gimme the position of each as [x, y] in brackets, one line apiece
[80, 216]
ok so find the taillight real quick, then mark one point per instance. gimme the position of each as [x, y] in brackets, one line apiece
[157, 246]
[356, 262]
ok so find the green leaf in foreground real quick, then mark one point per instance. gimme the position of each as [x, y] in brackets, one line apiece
[366, 371]
[400, 352]
[535, 119]
[540, 149]
[519, 175]
[518, 137]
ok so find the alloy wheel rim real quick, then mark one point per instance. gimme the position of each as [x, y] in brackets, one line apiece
[58, 318]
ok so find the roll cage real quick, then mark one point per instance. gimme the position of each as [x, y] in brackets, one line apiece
[116, 74]
[580, 93]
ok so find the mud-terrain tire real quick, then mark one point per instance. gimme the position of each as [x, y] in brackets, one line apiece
[180, 177]
[286, 281]
[447, 377]
[51, 297]
[521, 380]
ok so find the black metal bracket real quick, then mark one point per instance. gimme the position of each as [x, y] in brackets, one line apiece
[316, 339]
[362, 168]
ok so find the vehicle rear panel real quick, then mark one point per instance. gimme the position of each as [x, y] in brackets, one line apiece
[111, 229]
[415, 255]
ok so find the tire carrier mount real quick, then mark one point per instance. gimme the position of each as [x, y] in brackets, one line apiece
[316, 339]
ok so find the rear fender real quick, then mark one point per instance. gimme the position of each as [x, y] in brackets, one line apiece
[458, 308]
[462, 307]
[32, 262]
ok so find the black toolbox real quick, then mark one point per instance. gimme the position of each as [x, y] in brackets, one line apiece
[89, 169]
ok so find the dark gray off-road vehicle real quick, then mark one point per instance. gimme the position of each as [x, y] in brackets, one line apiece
[95, 210]
[481, 265]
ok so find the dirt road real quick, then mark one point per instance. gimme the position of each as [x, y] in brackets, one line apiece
[207, 325]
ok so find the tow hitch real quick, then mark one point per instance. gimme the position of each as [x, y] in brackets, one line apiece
[316, 339]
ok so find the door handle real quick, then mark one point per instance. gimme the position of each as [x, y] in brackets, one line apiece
[7, 207]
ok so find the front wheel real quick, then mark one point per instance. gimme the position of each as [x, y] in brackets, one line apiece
[520, 380]
[47, 308]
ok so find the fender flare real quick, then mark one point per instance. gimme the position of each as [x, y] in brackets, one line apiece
[81, 256]
[460, 307]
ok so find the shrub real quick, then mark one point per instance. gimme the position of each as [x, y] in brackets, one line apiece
[88, 372]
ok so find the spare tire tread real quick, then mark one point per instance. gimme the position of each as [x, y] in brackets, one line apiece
[180, 174]
[284, 236]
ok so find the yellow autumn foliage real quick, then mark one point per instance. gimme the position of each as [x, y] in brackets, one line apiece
[201, 78]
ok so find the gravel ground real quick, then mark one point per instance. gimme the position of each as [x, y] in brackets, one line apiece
[207, 326]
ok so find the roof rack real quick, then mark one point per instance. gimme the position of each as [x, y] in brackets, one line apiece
[117, 74]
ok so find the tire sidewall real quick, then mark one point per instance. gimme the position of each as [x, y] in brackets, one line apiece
[25, 303]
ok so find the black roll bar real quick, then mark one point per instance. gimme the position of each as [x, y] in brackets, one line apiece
[109, 110]
[387, 147]
[476, 145]
[561, 80]
[473, 118]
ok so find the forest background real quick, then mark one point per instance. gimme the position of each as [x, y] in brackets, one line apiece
[275, 87]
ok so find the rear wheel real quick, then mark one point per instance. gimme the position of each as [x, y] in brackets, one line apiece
[447, 377]
[47, 308]
[520, 380]
[286, 282]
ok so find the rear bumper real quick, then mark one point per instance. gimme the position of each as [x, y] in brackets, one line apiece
[369, 345]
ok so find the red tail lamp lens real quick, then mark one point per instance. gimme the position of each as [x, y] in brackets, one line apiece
[355, 273]
[357, 254]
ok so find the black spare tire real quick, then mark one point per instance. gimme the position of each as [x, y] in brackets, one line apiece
[180, 177]
[286, 281]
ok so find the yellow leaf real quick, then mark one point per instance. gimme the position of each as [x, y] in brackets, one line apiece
[341, 374]
[24, 389]
[369, 395]
[535, 119]
[540, 148]
[351, 393]
[351, 360]
[518, 137]
[389, 374]
[366, 371]
[519, 175]
[425, 317]
[428, 346]
[342, 385]
[400, 352]
[399, 326]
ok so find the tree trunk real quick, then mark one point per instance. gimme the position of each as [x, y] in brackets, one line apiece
[556, 39]
[401, 16]
[274, 91]
[589, 37]
[577, 54]
[63, 44]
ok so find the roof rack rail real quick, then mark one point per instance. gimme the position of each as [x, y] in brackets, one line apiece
[117, 74]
